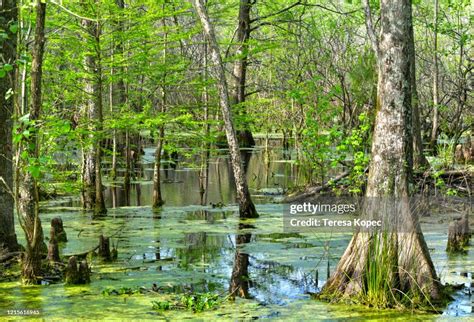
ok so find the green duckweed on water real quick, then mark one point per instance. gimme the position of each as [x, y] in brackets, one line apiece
[187, 249]
[191, 249]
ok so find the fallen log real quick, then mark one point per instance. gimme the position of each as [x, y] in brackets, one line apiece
[8, 256]
[311, 191]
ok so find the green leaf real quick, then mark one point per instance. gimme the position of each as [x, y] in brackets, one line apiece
[7, 67]
[13, 28]
[35, 171]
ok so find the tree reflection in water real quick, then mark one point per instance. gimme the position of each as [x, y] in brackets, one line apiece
[240, 281]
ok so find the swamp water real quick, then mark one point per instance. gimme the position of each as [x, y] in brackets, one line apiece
[189, 247]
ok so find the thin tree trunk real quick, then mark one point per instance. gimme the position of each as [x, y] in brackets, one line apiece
[157, 196]
[92, 194]
[8, 240]
[383, 268]
[28, 199]
[240, 68]
[128, 152]
[100, 208]
[204, 173]
[434, 130]
[246, 206]
[113, 171]
[419, 159]
[121, 88]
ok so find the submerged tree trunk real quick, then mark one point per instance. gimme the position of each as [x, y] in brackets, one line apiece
[28, 172]
[393, 266]
[246, 206]
[245, 136]
[8, 240]
[92, 194]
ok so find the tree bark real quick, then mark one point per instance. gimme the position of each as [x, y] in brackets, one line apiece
[206, 147]
[380, 266]
[157, 196]
[419, 159]
[27, 193]
[8, 240]
[240, 69]
[246, 206]
[120, 98]
[92, 194]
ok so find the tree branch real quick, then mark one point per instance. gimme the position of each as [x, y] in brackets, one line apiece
[331, 10]
[299, 2]
[72, 13]
[370, 27]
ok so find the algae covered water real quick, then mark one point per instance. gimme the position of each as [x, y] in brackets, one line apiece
[188, 247]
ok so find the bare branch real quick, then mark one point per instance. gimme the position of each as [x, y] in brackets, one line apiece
[330, 9]
[278, 12]
[72, 13]
[370, 27]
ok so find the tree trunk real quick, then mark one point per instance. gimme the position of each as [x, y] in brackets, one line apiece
[92, 195]
[385, 268]
[204, 172]
[419, 159]
[118, 97]
[246, 206]
[27, 193]
[8, 240]
[157, 197]
[240, 69]
[128, 152]
[435, 125]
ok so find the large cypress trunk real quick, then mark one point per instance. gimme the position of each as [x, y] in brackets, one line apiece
[246, 206]
[8, 240]
[28, 200]
[380, 267]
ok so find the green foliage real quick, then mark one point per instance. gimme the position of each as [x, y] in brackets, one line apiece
[200, 301]
[195, 302]
[321, 134]
[122, 291]
[358, 144]
[161, 305]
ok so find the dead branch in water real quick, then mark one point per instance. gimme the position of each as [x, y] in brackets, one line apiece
[311, 191]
